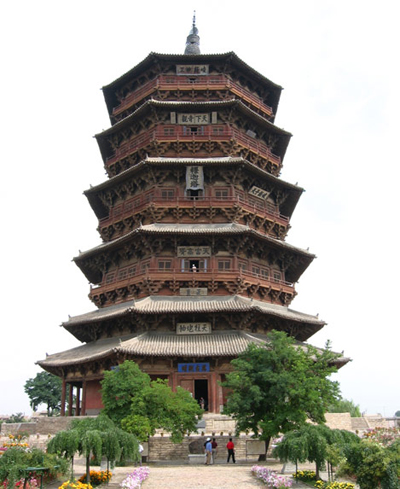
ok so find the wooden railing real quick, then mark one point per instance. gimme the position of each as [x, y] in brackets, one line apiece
[143, 200]
[186, 275]
[184, 83]
[211, 132]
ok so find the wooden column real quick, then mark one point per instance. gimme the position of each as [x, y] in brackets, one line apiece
[78, 402]
[70, 399]
[214, 392]
[63, 390]
[83, 411]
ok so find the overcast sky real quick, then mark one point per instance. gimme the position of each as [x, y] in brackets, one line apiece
[338, 62]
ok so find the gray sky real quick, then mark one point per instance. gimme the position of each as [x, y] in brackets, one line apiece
[338, 63]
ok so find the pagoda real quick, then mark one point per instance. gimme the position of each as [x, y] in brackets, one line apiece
[194, 264]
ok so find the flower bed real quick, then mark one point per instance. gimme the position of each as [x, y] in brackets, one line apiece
[270, 478]
[75, 485]
[134, 479]
[334, 485]
[305, 476]
[97, 477]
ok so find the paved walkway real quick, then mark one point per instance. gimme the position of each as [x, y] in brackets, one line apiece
[218, 476]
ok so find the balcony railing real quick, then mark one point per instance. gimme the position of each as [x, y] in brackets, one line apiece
[142, 201]
[183, 83]
[216, 133]
[186, 275]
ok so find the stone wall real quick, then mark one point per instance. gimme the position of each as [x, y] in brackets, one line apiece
[162, 449]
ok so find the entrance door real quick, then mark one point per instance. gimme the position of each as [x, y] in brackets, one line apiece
[201, 391]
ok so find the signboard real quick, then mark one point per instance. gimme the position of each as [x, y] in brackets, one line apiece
[194, 119]
[193, 328]
[192, 69]
[193, 367]
[193, 291]
[193, 251]
[194, 178]
[259, 192]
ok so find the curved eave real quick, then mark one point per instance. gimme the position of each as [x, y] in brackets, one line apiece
[168, 105]
[230, 229]
[155, 305]
[153, 58]
[92, 194]
[227, 344]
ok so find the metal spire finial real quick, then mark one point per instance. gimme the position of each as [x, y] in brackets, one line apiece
[193, 39]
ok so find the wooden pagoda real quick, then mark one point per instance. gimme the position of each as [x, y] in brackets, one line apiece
[193, 264]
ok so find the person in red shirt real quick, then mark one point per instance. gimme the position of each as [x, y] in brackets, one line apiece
[231, 451]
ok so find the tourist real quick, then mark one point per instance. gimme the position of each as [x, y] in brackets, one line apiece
[214, 445]
[231, 451]
[141, 450]
[208, 451]
[202, 402]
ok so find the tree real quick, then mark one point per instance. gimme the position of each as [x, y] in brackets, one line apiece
[397, 414]
[345, 406]
[119, 386]
[275, 388]
[94, 436]
[141, 406]
[315, 443]
[45, 388]
[160, 407]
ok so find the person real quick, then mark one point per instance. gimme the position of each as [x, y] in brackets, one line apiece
[214, 445]
[208, 451]
[201, 401]
[231, 451]
[141, 449]
[194, 269]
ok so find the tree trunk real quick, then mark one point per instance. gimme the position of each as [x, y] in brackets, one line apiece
[263, 457]
[88, 469]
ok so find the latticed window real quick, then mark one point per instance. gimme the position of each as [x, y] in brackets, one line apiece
[222, 193]
[169, 131]
[168, 194]
[164, 264]
[110, 277]
[277, 275]
[123, 274]
[224, 264]
[131, 271]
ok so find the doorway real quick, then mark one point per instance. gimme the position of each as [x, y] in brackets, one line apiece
[201, 391]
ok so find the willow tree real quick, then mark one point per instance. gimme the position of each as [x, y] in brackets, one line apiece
[95, 436]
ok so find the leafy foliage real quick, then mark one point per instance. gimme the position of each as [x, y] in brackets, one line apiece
[45, 388]
[315, 443]
[345, 406]
[374, 465]
[16, 418]
[98, 436]
[276, 388]
[15, 461]
[141, 405]
[119, 387]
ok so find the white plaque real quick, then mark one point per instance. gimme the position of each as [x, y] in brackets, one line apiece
[193, 328]
[193, 119]
[193, 251]
[192, 70]
[192, 291]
